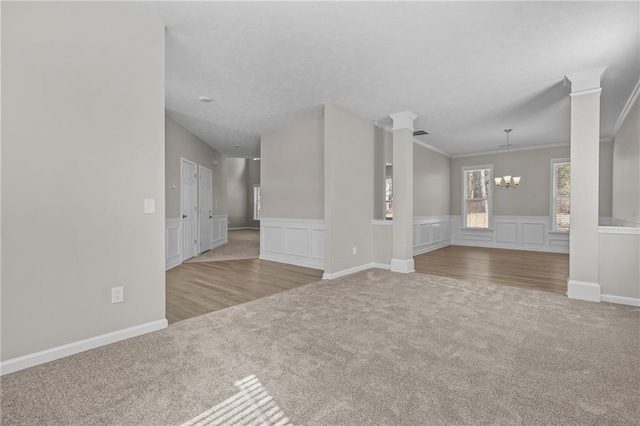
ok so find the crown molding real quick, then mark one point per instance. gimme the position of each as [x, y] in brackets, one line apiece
[625, 111]
[389, 129]
[432, 148]
[511, 149]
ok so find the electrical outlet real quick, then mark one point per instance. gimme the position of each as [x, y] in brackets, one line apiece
[355, 250]
[117, 295]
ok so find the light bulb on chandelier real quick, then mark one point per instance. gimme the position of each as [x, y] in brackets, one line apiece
[507, 181]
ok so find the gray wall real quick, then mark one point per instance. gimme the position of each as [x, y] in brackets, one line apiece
[626, 168]
[292, 171]
[82, 147]
[531, 198]
[349, 171]
[237, 184]
[431, 182]
[179, 142]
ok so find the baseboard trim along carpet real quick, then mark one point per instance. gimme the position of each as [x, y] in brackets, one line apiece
[37, 358]
[333, 275]
[620, 300]
[583, 290]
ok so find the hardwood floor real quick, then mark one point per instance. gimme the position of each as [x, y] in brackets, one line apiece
[198, 288]
[526, 269]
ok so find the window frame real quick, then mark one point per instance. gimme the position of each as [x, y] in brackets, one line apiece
[256, 202]
[466, 169]
[552, 194]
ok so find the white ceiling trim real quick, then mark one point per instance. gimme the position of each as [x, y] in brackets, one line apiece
[511, 149]
[389, 129]
[626, 109]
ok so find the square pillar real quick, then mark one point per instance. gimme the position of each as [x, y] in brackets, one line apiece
[585, 157]
[402, 257]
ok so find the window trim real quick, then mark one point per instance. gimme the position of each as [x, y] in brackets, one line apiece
[255, 202]
[489, 197]
[552, 193]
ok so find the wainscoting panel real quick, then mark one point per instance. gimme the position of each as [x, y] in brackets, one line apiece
[220, 233]
[294, 241]
[173, 231]
[430, 233]
[172, 243]
[507, 232]
[513, 232]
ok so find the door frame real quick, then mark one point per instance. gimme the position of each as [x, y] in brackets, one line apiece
[197, 218]
[200, 212]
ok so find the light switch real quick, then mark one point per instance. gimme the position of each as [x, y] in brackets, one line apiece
[149, 205]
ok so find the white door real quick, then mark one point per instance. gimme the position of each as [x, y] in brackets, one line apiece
[205, 208]
[188, 195]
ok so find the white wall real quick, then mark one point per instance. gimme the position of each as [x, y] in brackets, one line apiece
[619, 271]
[349, 175]
[431, 182]
[82, 147]
[292, 171]
[626, 168]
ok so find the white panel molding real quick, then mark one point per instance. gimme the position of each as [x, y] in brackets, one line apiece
[620, 300]
[583, 290]
[512, 232]
[172, 246]
[431, 233]
[37, 358]
[293, 241]
[220, 230]
[507, 232]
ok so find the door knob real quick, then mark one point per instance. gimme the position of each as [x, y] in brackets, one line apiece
[210, 217]
[184, 216]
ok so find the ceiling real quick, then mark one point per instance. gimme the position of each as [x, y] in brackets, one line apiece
[468, 70]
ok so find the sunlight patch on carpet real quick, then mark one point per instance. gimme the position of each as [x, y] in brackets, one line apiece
[251, 406]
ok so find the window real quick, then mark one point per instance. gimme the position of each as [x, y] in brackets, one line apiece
[256, 202]
[388, 199]
[476, 202]
[561, 194]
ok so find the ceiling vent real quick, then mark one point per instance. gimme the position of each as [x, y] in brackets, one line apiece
[420, 133]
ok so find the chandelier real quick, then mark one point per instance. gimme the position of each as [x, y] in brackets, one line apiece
[507, 181]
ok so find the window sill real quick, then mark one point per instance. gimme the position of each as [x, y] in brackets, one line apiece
[476, 229]
[559, 232]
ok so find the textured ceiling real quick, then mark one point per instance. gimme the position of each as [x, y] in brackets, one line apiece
[468, 70]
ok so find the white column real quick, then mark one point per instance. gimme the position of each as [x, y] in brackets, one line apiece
[585, 152]
[402, 258]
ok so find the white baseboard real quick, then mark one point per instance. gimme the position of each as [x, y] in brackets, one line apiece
[621, 300]
[583, 290]
[219, 243]
[31, 360]
[304, 262]
[404, 266]
[240, 228]
[432, 247]
[173, 264]
[327, 276]
[381, 266]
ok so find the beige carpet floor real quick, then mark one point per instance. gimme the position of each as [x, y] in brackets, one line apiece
[371, 348]
[243, 244]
